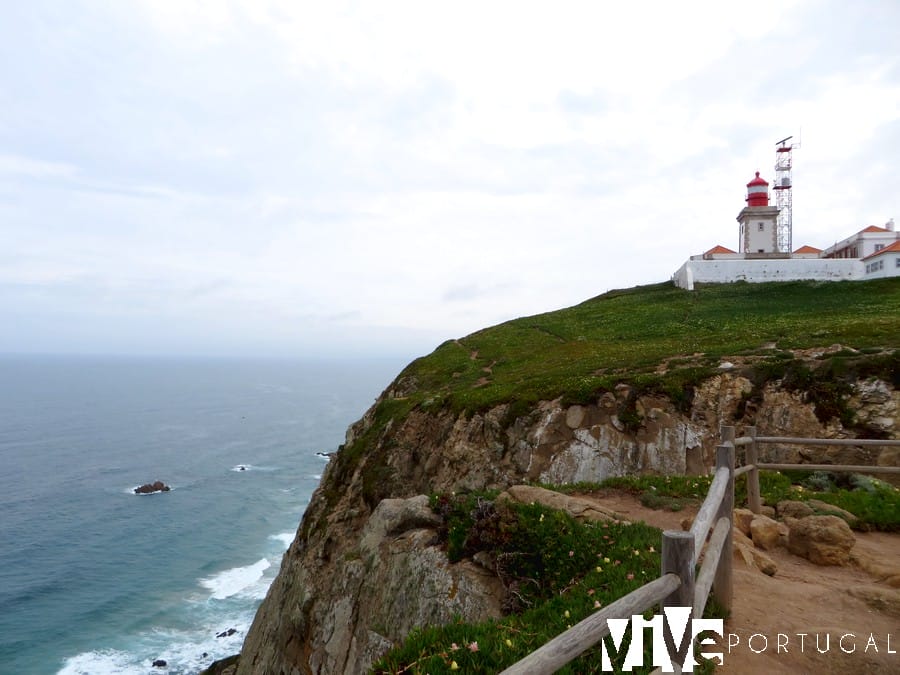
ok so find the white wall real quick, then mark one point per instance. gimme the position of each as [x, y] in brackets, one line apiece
[757, 271]
[890, 266]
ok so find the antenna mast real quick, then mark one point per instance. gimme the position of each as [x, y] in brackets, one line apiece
[783, 198]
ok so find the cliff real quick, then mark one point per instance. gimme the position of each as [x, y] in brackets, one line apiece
[553, 399]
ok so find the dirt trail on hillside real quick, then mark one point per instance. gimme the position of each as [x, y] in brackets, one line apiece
[802, 598]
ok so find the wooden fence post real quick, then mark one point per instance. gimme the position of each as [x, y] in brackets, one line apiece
[678, 558]
[722, 589]
[753, 498]
[727, 434]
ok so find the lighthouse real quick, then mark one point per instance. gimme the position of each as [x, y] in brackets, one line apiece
[758, 222]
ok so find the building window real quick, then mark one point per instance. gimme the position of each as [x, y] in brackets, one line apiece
[762, 226]
[878, 247]
[897, 260]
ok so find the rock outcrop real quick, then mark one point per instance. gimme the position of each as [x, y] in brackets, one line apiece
[765, 532]
[149, 488]
[364, 569]
[823, 540]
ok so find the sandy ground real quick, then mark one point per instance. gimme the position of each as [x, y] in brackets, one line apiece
[800, 598]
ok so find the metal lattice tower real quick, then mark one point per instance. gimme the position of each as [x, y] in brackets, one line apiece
[783, 197]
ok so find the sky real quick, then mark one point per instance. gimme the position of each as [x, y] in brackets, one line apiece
[290, 178]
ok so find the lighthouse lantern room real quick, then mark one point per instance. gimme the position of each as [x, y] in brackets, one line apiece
[758, 221]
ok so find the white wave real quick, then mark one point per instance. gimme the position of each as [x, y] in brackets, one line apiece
[230, 582]
[252, 467]
[184, 652]
[103, 662]
[315, 476]
[286, 538]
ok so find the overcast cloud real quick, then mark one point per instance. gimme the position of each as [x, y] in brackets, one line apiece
[277, 177]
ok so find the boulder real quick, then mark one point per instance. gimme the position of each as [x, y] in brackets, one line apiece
[790, 508]
[160, 663]
[823, 540]
[742, 520]
[394, 516]
[765, 533]
[753, 557]
[826, 509]
[147, 488]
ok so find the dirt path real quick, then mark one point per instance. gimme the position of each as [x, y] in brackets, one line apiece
[802, 598]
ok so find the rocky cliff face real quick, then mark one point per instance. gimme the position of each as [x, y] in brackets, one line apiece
[364, 568]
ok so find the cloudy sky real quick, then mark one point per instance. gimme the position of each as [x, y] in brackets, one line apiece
[279, 177]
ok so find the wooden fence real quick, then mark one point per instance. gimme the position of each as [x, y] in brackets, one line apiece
[752, 465]
[678, 584]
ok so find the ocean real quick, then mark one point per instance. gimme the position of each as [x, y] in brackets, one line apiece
[95, 579]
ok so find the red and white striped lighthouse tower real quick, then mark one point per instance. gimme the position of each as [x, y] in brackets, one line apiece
[759, 231]
[757, 192]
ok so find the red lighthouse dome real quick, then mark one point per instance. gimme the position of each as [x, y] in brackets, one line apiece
[757, 192]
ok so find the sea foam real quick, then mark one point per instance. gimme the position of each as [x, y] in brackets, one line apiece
[285, 538]
[233, 581]
[185, 653]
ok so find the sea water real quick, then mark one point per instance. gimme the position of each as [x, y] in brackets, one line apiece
[96, 579]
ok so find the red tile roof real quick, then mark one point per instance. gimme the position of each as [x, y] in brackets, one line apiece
[874, 228]
[893, 248]
[719, 249]
[808, 249]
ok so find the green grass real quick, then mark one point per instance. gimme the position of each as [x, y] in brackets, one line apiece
[624, 335]
[876, 504]
[558, 571]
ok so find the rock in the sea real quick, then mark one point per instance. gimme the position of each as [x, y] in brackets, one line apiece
[147, 488]
[160, 663]
[226, 633]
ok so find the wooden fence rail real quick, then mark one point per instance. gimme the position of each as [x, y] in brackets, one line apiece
[752, 464]
[586, 633]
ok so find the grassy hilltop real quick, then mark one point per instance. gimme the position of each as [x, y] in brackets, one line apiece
[627, 335]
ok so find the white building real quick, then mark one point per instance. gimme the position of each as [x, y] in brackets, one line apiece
[885, 262]
[864, 243]
[870, 253]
